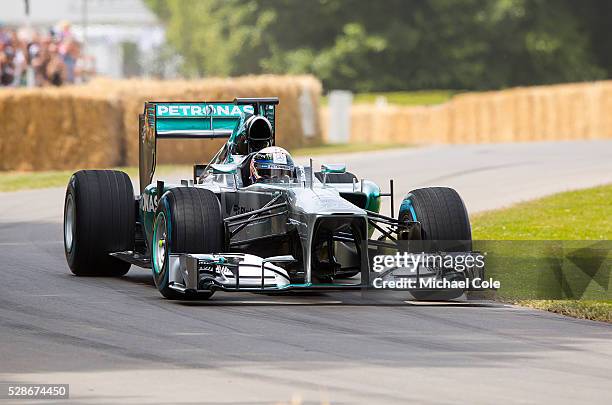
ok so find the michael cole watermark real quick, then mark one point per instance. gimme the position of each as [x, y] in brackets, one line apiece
[431, 271]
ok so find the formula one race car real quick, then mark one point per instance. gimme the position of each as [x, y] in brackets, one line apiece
[251, 219]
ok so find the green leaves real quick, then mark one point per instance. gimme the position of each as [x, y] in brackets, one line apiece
[214, 37]
[392, 44]
[344, 63]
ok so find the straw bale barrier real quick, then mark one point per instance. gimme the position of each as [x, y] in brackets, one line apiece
[289, 89]
[542, 113]
[44, 129]
[96, 125]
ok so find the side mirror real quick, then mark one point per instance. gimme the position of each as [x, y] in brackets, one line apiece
[280, 259]
[227, 168]
[329, 168]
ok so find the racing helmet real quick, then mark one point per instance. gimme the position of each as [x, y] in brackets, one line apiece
[271, 164]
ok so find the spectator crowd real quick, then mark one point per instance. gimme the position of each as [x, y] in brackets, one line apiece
[52, 58]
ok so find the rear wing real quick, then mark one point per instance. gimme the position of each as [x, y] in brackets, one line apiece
[208, 120]
[194, 120]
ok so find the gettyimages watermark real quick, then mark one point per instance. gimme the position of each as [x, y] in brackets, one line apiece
[506, 270]
[430, 271]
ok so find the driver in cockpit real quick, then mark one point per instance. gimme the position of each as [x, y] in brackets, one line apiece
[272, 165]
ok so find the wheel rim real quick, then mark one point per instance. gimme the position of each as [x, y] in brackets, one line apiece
[160, 240]
[69, 223]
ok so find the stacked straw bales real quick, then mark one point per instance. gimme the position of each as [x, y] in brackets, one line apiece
[288, 89]
[59, 128]
[542, 113]
[96, 125]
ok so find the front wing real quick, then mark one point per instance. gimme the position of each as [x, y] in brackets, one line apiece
[239, 272]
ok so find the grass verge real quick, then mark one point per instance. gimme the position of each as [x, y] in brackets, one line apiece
[573, 215]
[405, 98]
[530, 267]
[15, 181]
[587, 309]
[333, 148]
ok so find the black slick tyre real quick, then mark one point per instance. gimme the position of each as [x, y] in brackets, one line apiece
[187, 220]
[99, 219]
[445, 222]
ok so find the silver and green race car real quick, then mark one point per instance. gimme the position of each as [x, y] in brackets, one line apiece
[219, 231]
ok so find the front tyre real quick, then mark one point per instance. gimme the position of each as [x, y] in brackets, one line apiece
[187, 220]
[444, 221]
[441, 212]
[98, 220]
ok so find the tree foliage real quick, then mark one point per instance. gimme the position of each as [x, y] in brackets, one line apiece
[394, 44]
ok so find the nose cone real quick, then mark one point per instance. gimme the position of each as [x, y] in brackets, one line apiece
[324, 201]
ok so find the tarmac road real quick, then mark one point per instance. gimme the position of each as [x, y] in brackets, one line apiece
[118, 341]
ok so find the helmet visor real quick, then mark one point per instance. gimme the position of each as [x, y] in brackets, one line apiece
[273, 171]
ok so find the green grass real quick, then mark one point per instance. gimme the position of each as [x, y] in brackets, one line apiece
[407, 98]
[536, 244]
[593, 310]
[343, 148]
[574, 215]
[14, 181]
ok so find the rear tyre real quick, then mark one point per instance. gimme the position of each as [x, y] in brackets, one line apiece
[187, 220]
[98, 219]
[443, 217]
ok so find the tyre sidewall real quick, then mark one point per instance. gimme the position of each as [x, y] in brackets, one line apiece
[413, 207]
[89, 253]
[162, 276]
[167, 206]
[71, 193]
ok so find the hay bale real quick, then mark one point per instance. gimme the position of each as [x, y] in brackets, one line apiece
[96, 125]
[58, 129]
[558, 112]
[605, 113]
[291, 90]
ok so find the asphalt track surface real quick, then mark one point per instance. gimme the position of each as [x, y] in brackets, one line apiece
[117, 340]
